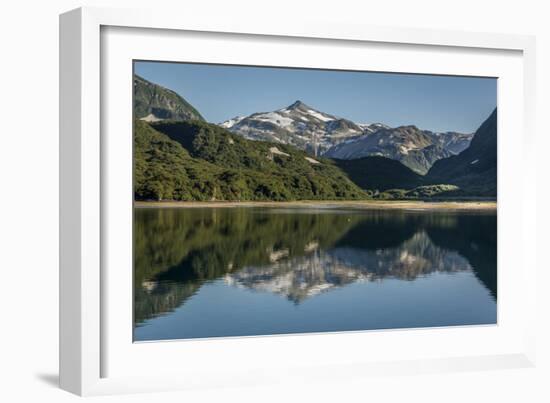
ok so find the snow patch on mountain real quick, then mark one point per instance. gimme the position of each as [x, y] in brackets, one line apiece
[150, 118]
[319, 116]
[231, 122]
[311, 160]
[275, 150]
[275, 118]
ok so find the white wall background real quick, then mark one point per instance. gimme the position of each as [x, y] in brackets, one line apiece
[29, 197]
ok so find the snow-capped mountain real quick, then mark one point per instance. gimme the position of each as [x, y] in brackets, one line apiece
[298, 125]
[415, 148]
[372, 127]
[323, 134]
[231, 122]
[452, 141]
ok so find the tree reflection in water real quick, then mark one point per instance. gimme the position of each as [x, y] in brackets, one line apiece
[299, 253]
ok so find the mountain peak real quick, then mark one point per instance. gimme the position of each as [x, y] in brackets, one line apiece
[298, 105]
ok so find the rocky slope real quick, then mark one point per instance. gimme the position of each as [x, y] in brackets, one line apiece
[153, 102]
[413, 147]
[299, 125]
[452, 141]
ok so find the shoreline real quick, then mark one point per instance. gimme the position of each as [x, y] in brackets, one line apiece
[332, 204]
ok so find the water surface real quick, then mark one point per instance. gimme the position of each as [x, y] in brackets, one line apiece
[211, 272]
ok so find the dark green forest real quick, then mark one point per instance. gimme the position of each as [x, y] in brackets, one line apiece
[194, 160]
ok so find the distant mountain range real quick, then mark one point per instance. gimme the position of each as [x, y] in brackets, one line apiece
[411, 146]
[299, 153]
[323, 134]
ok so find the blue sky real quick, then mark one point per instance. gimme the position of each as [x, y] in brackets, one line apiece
[438, 103]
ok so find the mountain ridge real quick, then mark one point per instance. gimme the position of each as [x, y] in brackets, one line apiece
[474, 169]
[321, 133]
[408, 144]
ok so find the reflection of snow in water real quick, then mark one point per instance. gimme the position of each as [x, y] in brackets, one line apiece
[275, 256]
[311, 246]
[149, 286]
[298, 278]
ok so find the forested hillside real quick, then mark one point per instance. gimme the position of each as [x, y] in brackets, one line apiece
[199, 161]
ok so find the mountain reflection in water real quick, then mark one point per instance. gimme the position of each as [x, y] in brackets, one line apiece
[300, 254]
[301, 277]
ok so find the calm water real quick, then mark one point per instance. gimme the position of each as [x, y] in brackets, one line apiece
[211, 272]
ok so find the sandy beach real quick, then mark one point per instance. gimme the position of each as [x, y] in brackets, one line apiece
[362, 204]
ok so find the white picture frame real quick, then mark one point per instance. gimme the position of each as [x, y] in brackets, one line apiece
[96, 356]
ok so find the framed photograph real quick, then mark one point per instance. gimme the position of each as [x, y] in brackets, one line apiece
[244, 204]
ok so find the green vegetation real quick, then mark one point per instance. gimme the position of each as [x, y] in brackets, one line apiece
[198, 161]
[421, 192]
[163, 169]
[379, 173]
